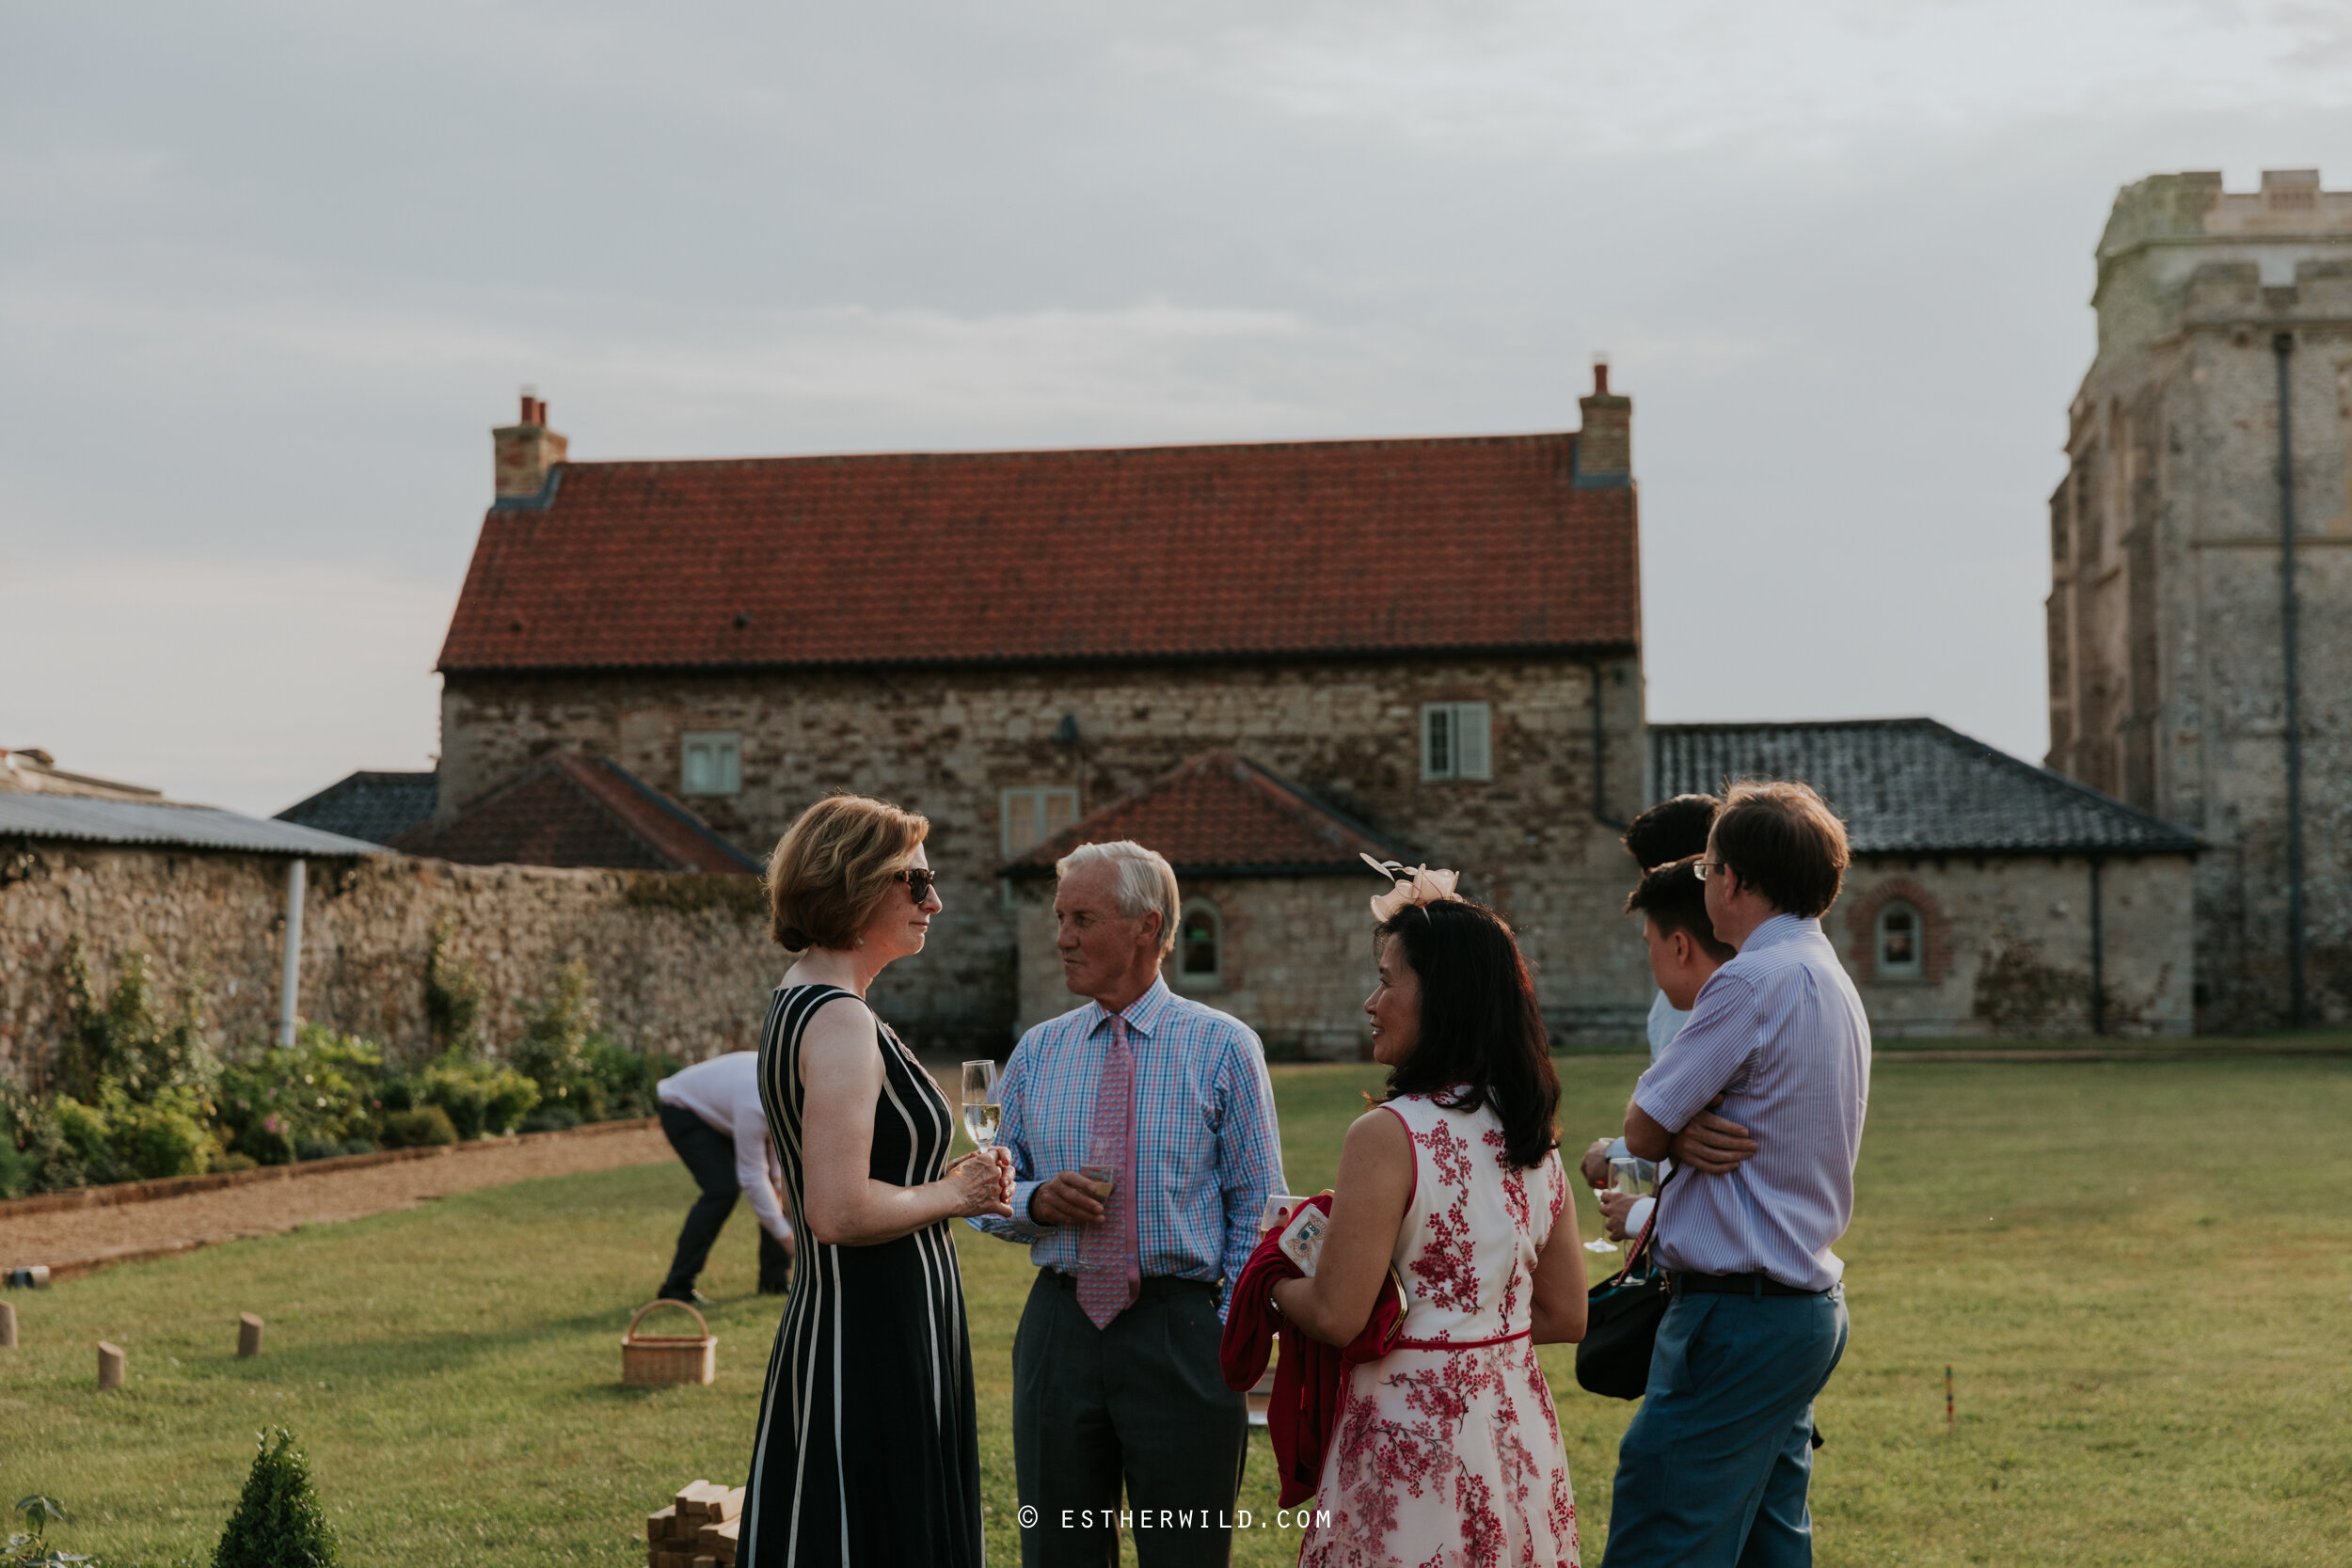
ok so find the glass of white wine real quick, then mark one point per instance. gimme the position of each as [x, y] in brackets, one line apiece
[981, 1112]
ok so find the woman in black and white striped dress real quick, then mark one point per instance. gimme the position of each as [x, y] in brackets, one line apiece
[866, 1449]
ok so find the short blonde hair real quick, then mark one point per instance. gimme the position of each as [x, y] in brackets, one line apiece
[833, 867]
[1146, 882]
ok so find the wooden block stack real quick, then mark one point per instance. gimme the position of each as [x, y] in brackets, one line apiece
[697, 1530]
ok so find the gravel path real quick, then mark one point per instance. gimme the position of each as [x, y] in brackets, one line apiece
[76, 1240]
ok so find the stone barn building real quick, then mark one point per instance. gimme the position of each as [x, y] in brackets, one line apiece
[1431, 645]
[1987, 896]
[2200, 551]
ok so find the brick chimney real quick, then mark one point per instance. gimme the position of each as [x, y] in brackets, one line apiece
[523, 454]
[1604, 448]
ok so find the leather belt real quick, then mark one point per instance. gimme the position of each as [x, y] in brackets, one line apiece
[1737, 1285]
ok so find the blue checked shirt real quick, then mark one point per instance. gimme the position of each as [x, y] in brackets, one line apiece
[1207, 1152]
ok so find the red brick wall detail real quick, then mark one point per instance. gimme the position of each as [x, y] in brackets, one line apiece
[1935, 933]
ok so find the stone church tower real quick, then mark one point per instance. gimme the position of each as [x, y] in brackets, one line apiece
[2200, 551]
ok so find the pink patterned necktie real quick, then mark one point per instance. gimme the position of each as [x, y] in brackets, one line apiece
[1109, 1272]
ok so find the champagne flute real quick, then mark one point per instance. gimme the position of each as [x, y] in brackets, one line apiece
[981, 1112]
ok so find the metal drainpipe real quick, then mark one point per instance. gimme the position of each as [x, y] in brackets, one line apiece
[290, 976]
[1600, 756]
[2098, 953]
[2283, 347]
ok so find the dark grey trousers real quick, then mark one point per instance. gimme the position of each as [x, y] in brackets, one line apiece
[1143, 1400]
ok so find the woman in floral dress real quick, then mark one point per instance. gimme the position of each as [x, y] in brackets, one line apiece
[1446, 1451]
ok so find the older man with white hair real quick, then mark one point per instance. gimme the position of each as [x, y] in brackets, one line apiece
[1142, 1135]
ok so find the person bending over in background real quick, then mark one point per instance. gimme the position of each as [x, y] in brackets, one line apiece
[711, 1115]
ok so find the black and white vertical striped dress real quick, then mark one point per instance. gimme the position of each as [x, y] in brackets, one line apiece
[866, 1449]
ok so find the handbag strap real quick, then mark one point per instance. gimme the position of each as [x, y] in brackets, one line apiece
[1656, 1200]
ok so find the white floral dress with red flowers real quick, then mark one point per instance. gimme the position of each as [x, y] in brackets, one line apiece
[1447, 1449]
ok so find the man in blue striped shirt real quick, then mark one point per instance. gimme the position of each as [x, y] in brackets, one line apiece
[1115, 1365]
[1715, 1466]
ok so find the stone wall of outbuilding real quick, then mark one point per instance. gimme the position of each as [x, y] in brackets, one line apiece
[680, 963]
[1295, 955]
[2008, 945]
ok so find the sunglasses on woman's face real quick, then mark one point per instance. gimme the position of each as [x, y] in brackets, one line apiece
[919, 880]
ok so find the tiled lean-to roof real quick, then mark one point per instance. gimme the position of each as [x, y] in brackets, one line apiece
[1913, 786]
[576, 811]
[375, 807]
[1310, 549]
[1220, 814]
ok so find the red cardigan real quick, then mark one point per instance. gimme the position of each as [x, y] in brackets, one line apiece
[1308, 1380]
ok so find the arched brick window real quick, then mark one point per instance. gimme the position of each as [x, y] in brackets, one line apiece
[1898, 941]
[1200, 947]
[1899, 935]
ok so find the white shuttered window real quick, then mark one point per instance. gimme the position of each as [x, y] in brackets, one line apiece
[1456, 740]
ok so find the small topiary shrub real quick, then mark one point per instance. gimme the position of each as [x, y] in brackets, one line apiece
[278, 1521]
[483, 1100]
[425, 1127]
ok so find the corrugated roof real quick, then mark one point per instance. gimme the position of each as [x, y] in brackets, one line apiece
[570, 810]
[373, 807]
[1315, 549]
[1220, 814]
[1913, 786]
[180, 826]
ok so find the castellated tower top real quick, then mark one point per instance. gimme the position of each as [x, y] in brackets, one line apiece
[2179, 251]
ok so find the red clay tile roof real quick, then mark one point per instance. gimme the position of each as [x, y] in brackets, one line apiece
[1220, 814]
[569, 810]
[1311, 548]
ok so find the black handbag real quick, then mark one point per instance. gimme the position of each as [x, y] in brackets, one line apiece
[1621, 1318]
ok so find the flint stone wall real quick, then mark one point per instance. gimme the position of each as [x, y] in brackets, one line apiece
[949, 742]
[1296, 960]
[2008, 945]
[681, 964]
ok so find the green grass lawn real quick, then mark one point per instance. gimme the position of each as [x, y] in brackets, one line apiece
[2140, 1272]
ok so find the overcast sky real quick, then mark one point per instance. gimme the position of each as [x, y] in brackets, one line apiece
[270, 272]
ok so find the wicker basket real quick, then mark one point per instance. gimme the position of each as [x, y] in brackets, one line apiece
[658, 1361]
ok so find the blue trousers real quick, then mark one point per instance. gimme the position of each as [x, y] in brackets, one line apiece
[1712, 1473]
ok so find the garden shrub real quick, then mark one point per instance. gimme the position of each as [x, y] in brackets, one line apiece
[322, 1089]
[424, 1127]
[132, 1036]
[550, 1118]
[575, 1067]
[482, 1098]
[452, 994]
[88, 1146]
[278, 1521]
[167, 1136]
[34, 1155]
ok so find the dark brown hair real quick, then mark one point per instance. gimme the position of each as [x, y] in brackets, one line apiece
[1480, 1024]
[833, 867]
[1784, 841]
[1671, 830]
[1672, 896]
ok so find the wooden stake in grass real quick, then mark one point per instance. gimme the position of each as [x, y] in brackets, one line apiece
[1948, 1399]
[248, 1336]
[109, 1365]
[7, 1325]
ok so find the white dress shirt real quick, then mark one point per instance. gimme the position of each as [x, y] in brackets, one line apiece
[725, 1092]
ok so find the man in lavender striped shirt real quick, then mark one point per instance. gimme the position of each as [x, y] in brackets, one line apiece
[1715, 1466]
